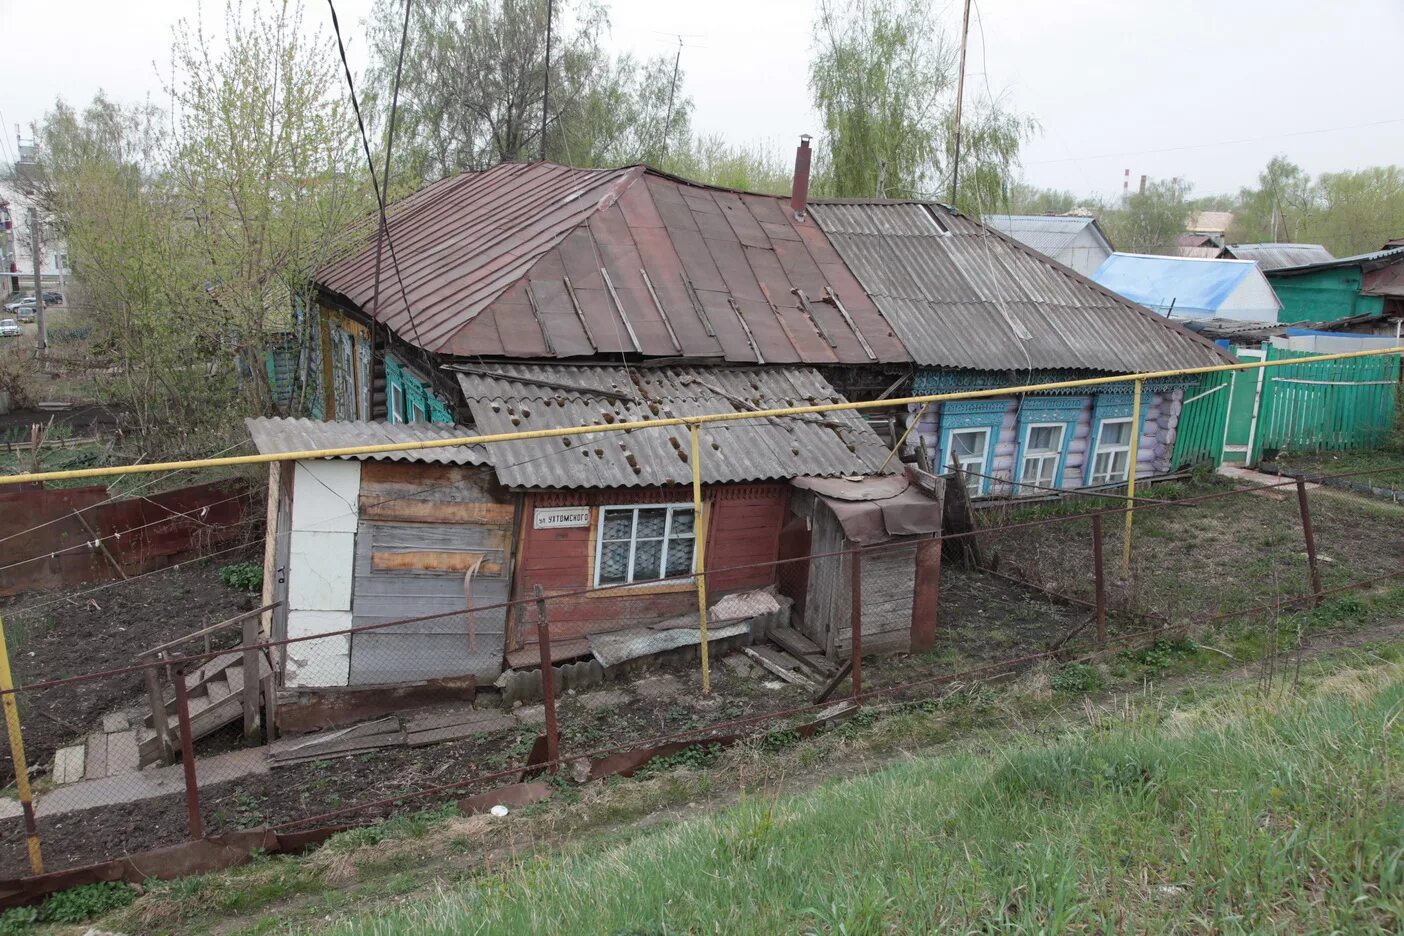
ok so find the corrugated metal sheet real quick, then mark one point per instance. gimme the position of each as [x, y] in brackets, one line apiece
[835, 444]
[960, 295]
[1279, 256]
[1048, 234]
[301, 435]
[539, 261]
[1374, 260]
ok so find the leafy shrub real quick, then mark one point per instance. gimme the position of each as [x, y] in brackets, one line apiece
[83, 903]
[1159, 655]
[17, 920]
[245, 576]
[1077, 677]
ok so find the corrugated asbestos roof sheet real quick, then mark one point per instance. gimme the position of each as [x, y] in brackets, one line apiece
[830, 445]
[301, 435]
[1279, 256]
[1048, 234]
[1191, 284]
[1374, 260]
[536, 260]
[960, 295]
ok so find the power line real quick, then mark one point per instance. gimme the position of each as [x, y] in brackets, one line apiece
[370, 163]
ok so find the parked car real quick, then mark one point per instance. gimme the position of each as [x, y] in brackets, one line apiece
[26, 302]
[9, 328]
[26, 313]
[53, 298]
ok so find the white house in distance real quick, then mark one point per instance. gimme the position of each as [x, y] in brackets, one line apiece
[1192, 287]
[1075, 241]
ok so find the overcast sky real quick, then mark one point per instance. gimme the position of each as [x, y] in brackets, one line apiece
[1201, 89]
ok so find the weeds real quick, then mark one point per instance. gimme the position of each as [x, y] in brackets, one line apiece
[244, 576]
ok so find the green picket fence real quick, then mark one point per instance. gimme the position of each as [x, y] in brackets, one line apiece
[1305, 407]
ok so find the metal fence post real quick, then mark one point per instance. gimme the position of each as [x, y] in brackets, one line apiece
[856, 597]
[926, 594]
[548, 681]
[12, 728]
[1310, 537]
[187, 754]
[253, 683]
[1101, 579]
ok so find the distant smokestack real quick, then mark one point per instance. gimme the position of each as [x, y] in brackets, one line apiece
[799, 189]
[1143, 185]
[1126, 182]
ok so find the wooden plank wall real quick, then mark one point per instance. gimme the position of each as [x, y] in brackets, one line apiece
[743, 527]
[423, 529]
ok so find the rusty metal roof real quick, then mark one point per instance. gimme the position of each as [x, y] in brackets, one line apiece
[275, 434]
[962, 295]
[502, 400]
[536, 260]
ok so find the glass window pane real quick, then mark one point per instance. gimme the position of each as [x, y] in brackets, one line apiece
[966, 444]
[682, 521]
[618, 524]
[614, 562]
[1045, 439]
[679, 556]
[652, 522]
[1115, 433]
[648, 560]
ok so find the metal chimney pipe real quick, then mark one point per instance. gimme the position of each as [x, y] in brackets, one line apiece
[799, 189]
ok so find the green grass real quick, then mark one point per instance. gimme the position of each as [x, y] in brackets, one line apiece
[1387, 465]
[1247, 814]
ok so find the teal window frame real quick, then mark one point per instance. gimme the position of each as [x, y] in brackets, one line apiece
[965, 415]
[1045, 411]
[409, 399]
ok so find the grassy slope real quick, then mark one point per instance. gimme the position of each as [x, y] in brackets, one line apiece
[1250, 814]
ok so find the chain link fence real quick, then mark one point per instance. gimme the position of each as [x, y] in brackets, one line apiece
[176, 746]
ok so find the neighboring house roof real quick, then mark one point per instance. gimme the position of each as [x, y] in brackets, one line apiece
[1209, 222]
[535, 260]
[1209, 252]
[961, 295]
[1383, 270]
[1278, 256]
[1193, 286]
[1048, 234]
[277, 435]
[508, 397]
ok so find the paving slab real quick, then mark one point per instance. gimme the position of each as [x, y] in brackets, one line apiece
[122, 754]
[530, 715]
[68, 763]
[658, 687]
[96, 764]
[608, 699]
[115, 721]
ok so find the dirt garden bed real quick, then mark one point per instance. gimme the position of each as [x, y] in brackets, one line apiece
[983, 619]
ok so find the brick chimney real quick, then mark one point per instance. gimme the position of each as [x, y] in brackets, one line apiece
[799, 189]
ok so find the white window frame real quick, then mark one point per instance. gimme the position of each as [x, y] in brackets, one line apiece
[417, 412]
[397, 406]
[982, 475]
[1022, 486]
[1098, 450]
[634, 541]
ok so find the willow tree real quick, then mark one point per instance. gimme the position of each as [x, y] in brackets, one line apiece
[883, 78]
[474, 87]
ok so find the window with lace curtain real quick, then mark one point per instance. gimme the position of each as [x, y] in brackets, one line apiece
[644, 543]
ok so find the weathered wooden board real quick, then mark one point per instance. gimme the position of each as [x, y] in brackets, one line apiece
[437, 511]
[425, 560]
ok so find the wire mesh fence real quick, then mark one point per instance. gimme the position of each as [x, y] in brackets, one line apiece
[179, 744]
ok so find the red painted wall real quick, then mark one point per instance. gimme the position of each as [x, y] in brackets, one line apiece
[743, 527]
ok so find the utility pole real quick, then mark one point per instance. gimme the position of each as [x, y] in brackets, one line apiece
[41, 336]
[960, 95]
